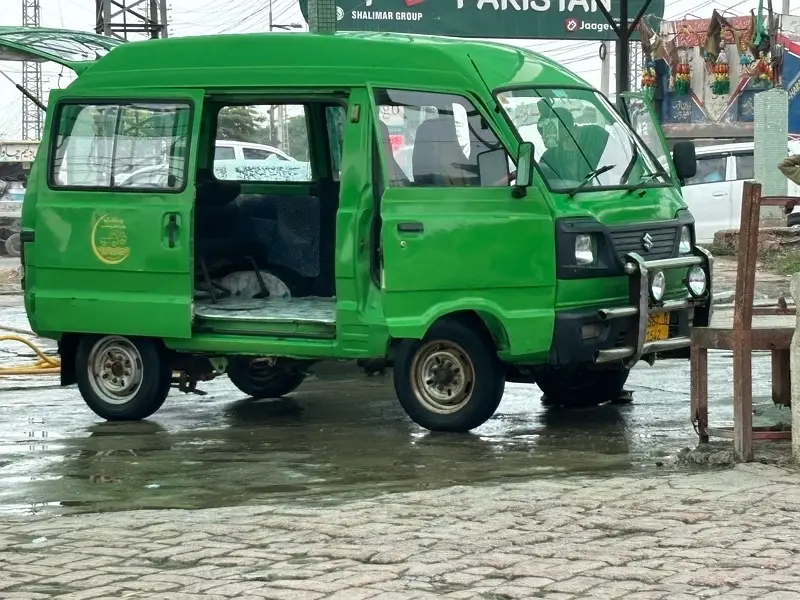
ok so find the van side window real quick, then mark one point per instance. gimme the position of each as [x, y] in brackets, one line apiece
[710, 169]
[283, 127]
[435, 140]
[745, 167]
[127, 146]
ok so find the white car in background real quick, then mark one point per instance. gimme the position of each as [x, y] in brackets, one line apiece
[714, 194]
[233, 150]
[232, 160]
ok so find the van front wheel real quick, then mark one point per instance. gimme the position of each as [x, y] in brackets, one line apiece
[451, 380]
[121, 378]
[581, 387]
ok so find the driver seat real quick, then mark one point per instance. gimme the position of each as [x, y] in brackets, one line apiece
[437, 158]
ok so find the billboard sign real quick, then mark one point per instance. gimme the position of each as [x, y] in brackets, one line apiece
[510, 19]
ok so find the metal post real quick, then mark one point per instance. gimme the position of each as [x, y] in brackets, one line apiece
[623, 32]
[623, 51]
[130, 18]
[31, 79]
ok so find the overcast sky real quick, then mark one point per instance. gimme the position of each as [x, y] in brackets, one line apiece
[199, 17]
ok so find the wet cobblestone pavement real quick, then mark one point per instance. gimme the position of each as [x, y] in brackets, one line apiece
[724, 535]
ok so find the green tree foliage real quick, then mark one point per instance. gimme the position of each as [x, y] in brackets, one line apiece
[241, 123]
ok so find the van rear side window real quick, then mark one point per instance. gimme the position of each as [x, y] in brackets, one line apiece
[279, 128]
[121, 146]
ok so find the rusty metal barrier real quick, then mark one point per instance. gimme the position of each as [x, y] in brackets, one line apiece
[743, 339]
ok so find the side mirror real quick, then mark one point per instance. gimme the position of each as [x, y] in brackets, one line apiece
[684, 159]
[493, 167]
[524, 170]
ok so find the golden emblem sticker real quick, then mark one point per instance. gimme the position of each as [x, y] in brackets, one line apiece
[110, 240]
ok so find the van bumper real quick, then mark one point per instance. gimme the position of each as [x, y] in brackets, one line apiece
[619, 334]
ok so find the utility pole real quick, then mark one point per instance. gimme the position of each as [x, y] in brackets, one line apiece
[123, 18]
[624, 31]
[31, 78]
[279, 133]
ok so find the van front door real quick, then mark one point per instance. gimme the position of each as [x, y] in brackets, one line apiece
[452, 235]
[107, 219]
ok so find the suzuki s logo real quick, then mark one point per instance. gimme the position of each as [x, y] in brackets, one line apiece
[647, 242]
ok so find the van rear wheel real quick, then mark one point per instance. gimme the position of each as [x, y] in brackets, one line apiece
[122, 378]
[451, 380]
[262, 378]
[581, 387]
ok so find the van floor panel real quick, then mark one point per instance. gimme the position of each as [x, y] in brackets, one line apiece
[309, 309]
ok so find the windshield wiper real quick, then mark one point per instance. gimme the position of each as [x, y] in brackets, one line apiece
[589, 177]
[645, 179]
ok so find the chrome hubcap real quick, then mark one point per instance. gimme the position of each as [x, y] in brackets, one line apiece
[442, 376]
[115, 369]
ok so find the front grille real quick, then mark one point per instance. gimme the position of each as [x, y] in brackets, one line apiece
[631, 241]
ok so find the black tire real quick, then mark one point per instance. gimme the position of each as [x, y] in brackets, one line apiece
[793, 219]
[581, 387]
[13, 245]
[465, 354]
[260, 380]
[103, 362]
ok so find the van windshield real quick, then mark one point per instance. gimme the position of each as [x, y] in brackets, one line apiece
[578, 137]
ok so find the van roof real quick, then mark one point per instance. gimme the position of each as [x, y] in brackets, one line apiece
[343, 59]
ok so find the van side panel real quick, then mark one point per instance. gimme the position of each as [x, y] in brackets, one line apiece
[74, 291]
[474, 249]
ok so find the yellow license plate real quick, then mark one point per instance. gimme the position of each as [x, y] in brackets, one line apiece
[657, 328]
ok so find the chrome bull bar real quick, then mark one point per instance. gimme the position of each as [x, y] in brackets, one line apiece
[641, 307]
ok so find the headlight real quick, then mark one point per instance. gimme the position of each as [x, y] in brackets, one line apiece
[584, 251]
[685, 246]
[658, 285]
[696, 281]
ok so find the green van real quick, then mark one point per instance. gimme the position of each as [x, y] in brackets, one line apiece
[530, 233]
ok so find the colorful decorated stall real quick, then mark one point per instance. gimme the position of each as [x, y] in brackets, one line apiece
[704, 73]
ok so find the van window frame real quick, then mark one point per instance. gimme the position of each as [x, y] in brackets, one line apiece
[585, 88]
[121, 101]
[477, 103]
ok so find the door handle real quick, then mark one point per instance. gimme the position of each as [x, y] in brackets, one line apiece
[412, 227]
[172, 225]
[718, 194]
